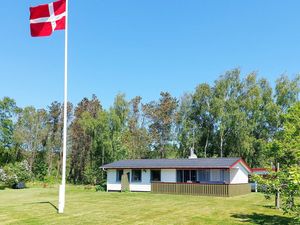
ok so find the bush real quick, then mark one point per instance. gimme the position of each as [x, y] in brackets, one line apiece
[16, 173]
[3, 178]
[50, 180]
[3, 175]
[100, 188]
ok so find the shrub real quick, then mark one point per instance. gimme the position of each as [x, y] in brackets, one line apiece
[90, 176]
[51, 180]
[100, 188]
[17, 172]
[3, 175]
[3, 178]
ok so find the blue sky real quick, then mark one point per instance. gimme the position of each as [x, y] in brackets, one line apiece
[144, 47]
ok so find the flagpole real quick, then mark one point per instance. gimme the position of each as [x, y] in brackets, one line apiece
[62, 187]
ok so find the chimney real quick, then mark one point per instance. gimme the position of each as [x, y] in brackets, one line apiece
[192, 154]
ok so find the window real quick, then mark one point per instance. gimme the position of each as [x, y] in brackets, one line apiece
[222, 175]
[136, 176]
[193, 176]
[186, 176]
[155, 175]
[225, 176]
[179, 176]
[119, 175]
[204, 175]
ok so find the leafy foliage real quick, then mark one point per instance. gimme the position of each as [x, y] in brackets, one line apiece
[16, 172]
[237, 115]
[287, 183]
[3, 175]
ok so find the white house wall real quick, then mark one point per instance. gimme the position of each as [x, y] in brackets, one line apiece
[167, 175]
[112, 184]
[144, 185]
[238, 174]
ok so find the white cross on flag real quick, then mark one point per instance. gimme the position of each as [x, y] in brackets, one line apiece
[44, 19]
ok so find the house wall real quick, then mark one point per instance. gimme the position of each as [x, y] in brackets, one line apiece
[144, 185]
[238, 174]
[112, 184]
[167, 175]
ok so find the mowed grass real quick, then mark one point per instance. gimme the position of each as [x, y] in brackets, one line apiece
[38, 206]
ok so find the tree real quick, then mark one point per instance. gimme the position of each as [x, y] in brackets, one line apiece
[161, 118]
[228, 119]
[135, 137]
[287, 183]
[202, 117]
[32, 132]
[287, 92]
[118, 125]
[261, 113]
[8, 111]
[81, 155]
[185, 126]
[285, 148]
[55, 135]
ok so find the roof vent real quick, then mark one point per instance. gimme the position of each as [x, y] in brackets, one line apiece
[192, 154]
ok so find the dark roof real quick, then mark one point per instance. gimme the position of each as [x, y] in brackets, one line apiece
[173, 163]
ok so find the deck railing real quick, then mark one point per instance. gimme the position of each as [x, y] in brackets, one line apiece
[222, 190]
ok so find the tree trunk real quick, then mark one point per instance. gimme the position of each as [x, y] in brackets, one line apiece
[102, 174]
[221, 146]
[31, 161]
[277, 196]
[206, 144]
[50, 159]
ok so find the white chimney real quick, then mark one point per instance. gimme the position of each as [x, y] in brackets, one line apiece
[192, 154]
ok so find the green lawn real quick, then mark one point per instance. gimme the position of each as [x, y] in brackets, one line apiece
[38, 206]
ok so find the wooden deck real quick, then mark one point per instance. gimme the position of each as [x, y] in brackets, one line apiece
[221, 190]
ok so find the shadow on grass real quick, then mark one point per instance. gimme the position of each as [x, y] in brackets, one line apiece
[269, 206]
[259, 218]
[46, 202]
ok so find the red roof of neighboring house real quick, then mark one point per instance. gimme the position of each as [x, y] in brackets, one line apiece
[266, 170]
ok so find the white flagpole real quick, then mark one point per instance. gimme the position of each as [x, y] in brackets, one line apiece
[62, 187]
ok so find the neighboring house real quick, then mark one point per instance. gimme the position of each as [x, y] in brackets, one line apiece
[203, 176]
[261, 172]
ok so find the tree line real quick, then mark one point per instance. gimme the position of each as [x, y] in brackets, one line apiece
[234, 116]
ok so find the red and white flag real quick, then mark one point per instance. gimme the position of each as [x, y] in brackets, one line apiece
[44, 19]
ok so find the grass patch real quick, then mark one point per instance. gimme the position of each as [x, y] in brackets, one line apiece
[85, 206]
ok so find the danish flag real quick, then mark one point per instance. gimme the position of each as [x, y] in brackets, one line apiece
[44, 19]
